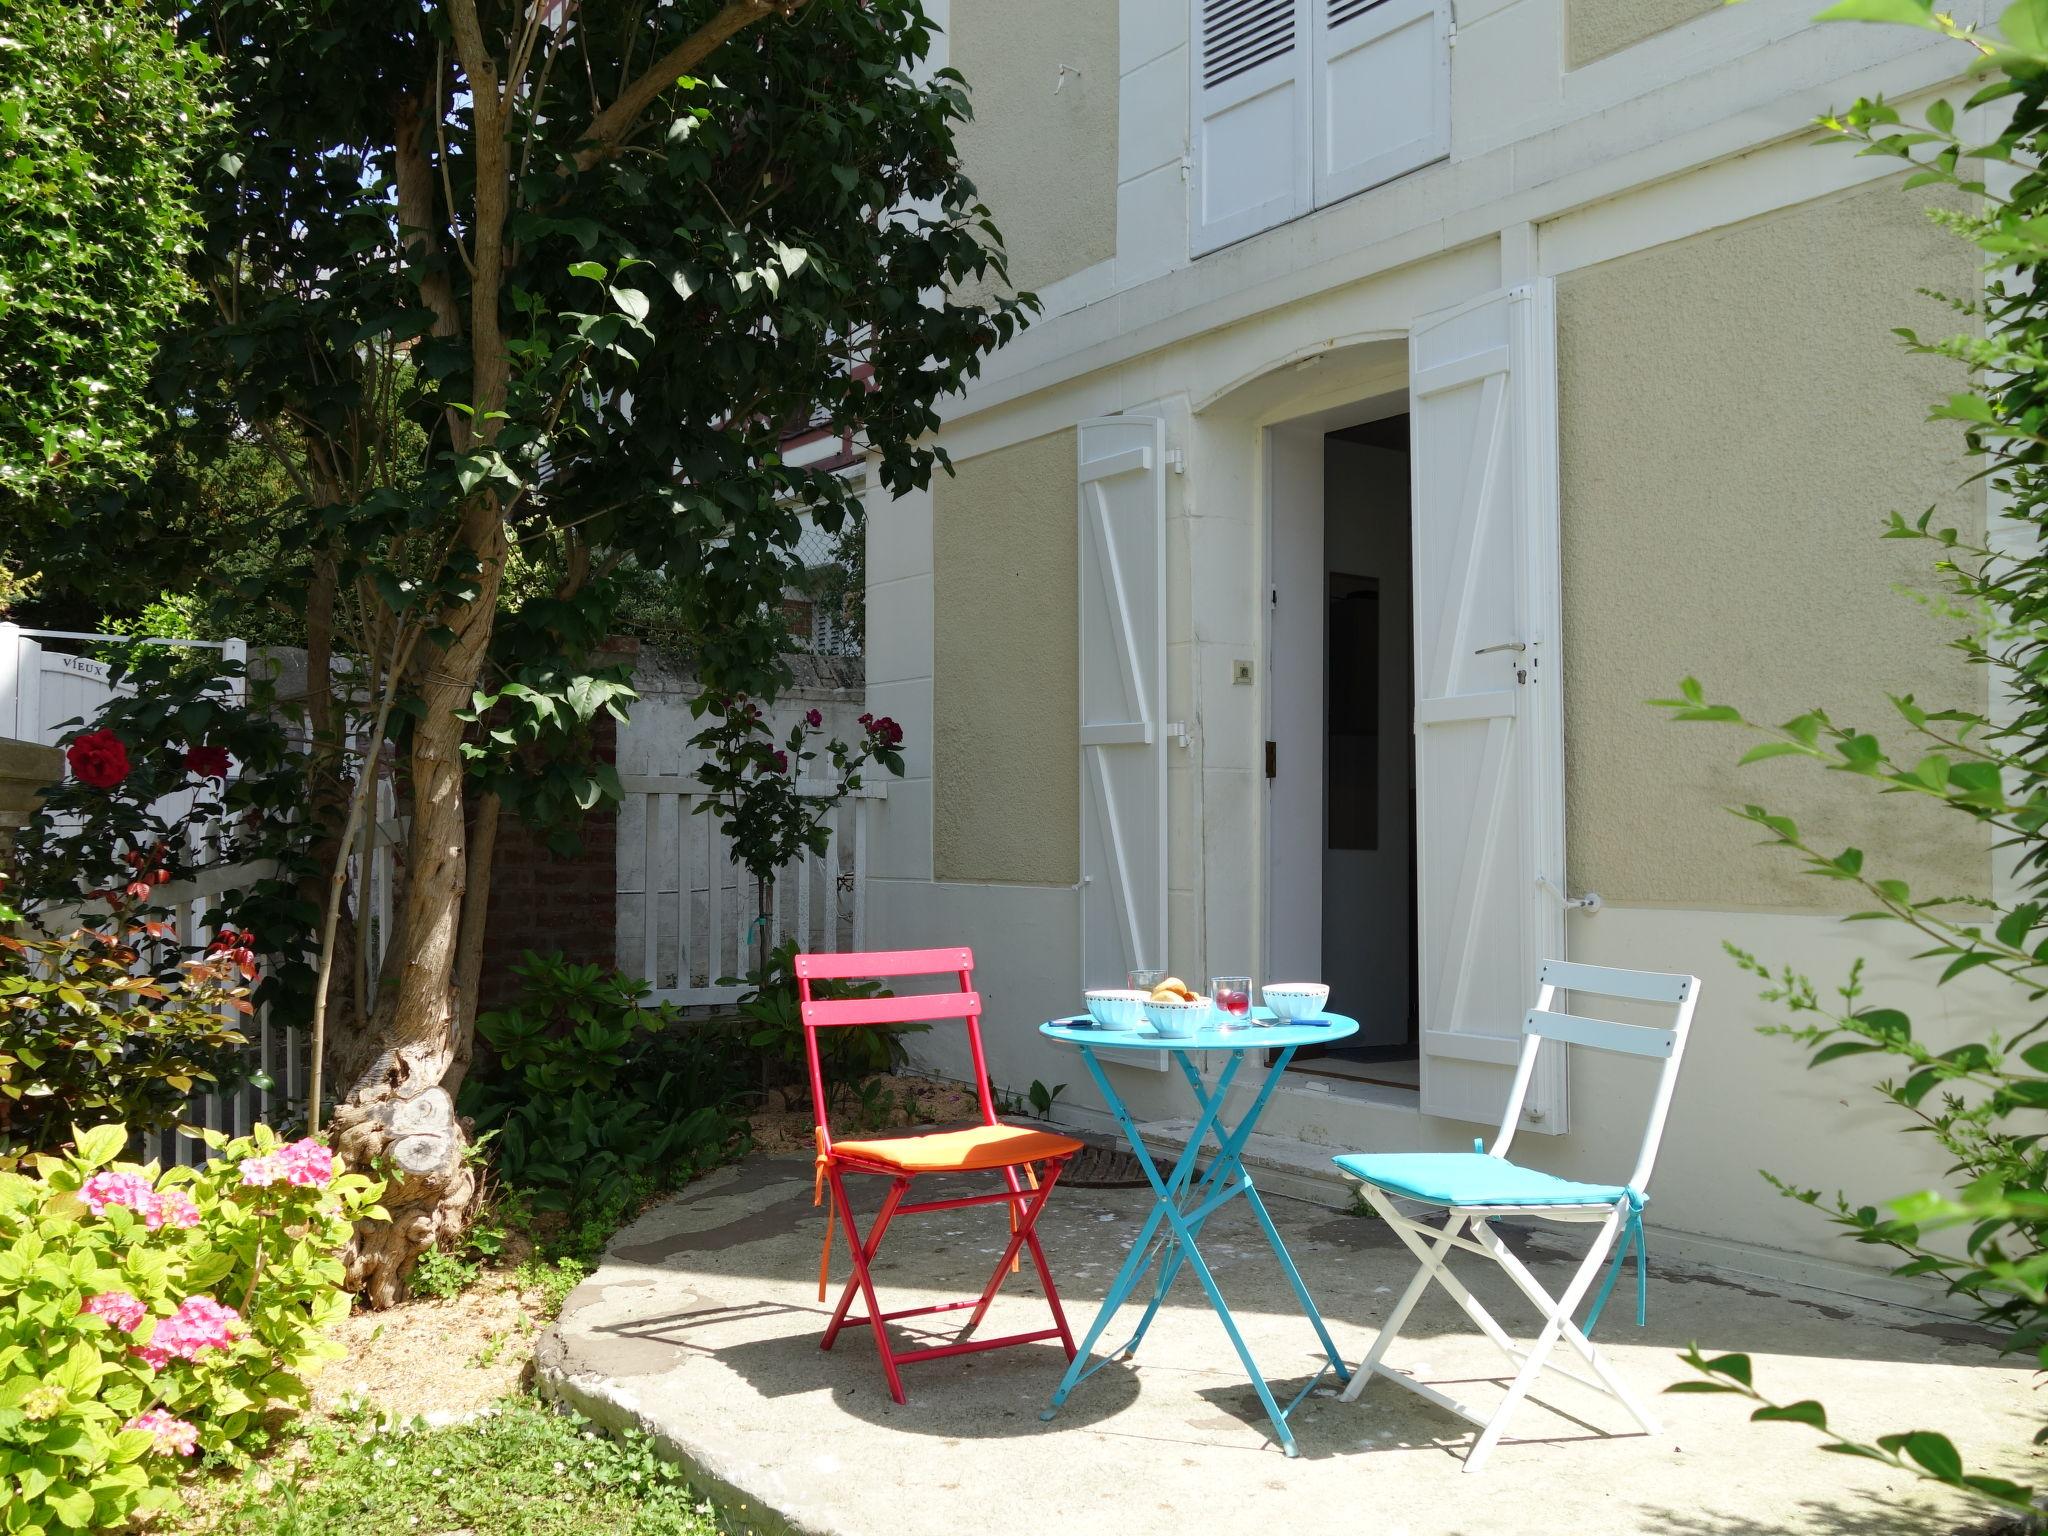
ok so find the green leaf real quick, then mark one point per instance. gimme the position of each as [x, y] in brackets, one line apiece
[1911, 13]
[1934, 1452]
[594, 270]
[1803, 1412]
[100, 1145]
[1769, 749]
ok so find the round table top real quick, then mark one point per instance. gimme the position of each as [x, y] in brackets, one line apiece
[1080, 1029]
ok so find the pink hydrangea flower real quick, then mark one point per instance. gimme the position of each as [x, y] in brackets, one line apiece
[157, 1208]
[199, 1324]
[129, 1189]
[307, 1163]
[262, 1172]
[172, 1434]
[120, 1309]
[174, 1208]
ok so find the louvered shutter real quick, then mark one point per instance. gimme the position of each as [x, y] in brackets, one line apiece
[1382, 87]
[1251, 164]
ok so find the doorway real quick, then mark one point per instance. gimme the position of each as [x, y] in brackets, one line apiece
[1341, 762]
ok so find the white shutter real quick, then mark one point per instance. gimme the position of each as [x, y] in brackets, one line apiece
[1123, 696]
[1488, 725]
[1382, 73]
[1251, 118]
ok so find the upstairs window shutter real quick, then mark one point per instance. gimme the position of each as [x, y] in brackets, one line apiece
[1382, 87]
[1251, 129]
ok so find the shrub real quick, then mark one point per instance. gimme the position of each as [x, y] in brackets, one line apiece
[846, 1054]
[83, 1038]
[592, 1092]
[151, 1316]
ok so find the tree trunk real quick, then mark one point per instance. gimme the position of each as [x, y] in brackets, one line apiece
[399, 1116]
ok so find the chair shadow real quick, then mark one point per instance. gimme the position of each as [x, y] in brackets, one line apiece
[992, 1395]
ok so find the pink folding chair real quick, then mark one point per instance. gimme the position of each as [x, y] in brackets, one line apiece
[989, 1147]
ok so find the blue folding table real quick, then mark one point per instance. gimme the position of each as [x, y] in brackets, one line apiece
[1183, 1202]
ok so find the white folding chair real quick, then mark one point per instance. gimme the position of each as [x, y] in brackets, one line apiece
[1472, 1187]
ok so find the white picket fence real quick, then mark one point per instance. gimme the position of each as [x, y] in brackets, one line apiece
[43, 688]
[687, 914]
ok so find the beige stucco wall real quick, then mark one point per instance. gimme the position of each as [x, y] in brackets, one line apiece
[1595, 28]
[1006, 748]
[1736, 420]
[1041, 148]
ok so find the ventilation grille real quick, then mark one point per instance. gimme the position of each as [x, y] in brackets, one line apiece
[1240, 35]
[1342, 11]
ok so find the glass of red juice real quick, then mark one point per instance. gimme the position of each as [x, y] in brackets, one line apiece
[1232, 996]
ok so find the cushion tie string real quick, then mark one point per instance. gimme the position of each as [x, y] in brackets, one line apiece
[1631, 1237]
[821, 1194]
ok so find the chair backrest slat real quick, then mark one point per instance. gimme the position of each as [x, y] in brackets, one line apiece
[1606, 981]
[885, 962]
[963, 1003]
[892, 1010]
[1600, 1034]
[1543, 1023]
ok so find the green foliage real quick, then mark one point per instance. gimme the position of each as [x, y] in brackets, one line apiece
[846, 1055]
[164, 824]
[82, 1037]
[102, 111]
[72, 1381]
[1981, 1100]
[520, 1469]
[768, 816]
[589, 1092]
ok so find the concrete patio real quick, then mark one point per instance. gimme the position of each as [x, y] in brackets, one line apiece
[701, 1327]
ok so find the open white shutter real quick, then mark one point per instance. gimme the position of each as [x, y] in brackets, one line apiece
[1251, 118]
[1488, 727]
[1123, 696]
[1382, 72]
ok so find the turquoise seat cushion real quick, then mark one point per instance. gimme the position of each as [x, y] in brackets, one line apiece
[1472, 1178]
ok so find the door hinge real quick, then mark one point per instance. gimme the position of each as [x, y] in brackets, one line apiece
[1176, 461]
[1272, 759]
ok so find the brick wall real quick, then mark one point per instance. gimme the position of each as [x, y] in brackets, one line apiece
[542, 901]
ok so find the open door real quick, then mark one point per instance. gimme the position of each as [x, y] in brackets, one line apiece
[1123, 696]
[1488, 727]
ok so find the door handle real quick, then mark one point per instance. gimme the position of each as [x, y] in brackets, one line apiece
[1505, 645]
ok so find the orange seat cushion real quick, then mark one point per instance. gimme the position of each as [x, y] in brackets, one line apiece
[982, 1146]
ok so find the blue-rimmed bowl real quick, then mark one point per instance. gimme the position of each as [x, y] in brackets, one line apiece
[1117, 1009]
[1177, 1020]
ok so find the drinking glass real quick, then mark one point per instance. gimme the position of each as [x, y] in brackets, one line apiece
[1232, 996]
[1145, 981]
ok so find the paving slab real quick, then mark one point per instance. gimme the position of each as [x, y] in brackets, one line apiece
[701, 1327]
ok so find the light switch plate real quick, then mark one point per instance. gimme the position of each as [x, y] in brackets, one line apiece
[1241, 673]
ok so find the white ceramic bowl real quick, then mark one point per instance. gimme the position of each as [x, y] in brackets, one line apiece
[1117, 1009]
[1292, 1000]
[1176, 1021]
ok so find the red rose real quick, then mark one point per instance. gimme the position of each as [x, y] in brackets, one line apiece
[813, 719]
[98, 758]
[207, 762]
[782, 762]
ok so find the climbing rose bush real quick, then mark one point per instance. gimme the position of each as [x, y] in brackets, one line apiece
[148, 1315]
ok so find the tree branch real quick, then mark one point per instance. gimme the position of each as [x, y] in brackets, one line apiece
[609, 127]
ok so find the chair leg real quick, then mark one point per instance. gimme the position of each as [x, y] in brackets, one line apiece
[1432, 1260]
[863, 1254]
[1570, 1332]
[1024, 1227]
[873, 1245]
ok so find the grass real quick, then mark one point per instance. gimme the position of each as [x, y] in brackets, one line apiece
[522, 1469]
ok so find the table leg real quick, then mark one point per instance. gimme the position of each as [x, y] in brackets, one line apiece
[1225, 1179]
[1163, 1191]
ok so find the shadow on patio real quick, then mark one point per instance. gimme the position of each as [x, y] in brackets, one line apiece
[703, 1325]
